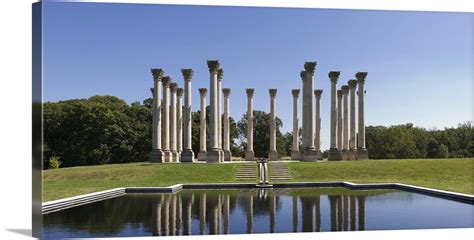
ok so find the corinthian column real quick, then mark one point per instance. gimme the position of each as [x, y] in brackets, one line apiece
[345, 128]
[213, 154]
[334, 153]
[317, 135]
[249, 154]
[272, 154]
[179, 121]
[295, 153]
[309, 152]
[220, 74]
[156, 154]
[362, 152]
[352, 141]
[202, 126]
[339, 120]
[166, 119]
[227, 153]
[174, 152]
[187, 155]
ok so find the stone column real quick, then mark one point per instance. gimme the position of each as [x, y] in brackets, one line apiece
[345, 123]
[309, 152]
[352, 141]
[202, 126]
[333, 153]
[227, 153]
[339, 121]
[179, 121]
[213, 154]
[249, 154]
[272, 154]
[174, 152]
[220, 74]
[156, 154]
[362, 152]
[166, 119]
[295, 153]
[317, 136]
[187, 155]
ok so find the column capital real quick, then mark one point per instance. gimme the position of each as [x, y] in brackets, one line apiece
[318, 93]
[220, 74]
[157, 74]
[273, 92]
[303, 75]
[226, 92]
[179, 92]
[345, 89]
[213, 65]
[187, 74]
[334, 75]
[166, 81]
[173, 87]
[295, 92]
[352, 83]
[339, 93]
[203, 92]
[310, 67]
[152, 91]
[361, 76]
[249, 92]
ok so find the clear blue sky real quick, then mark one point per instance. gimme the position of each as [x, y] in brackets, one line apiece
[419, 64]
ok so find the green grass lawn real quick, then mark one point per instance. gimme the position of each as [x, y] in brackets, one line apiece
[446, 174]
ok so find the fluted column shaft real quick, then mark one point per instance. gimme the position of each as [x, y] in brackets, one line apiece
[249, 155]
[273, 152]
[295, 154]
[219, 108]
[202, 126]
[361, 93]
[166, 118]
[345, 117]
[173, 125]
[339, 120]
[333, 113]
[179, 120]
[187, 155]
[307, 111]
[227, 153]
[317, 137]
[352, 141]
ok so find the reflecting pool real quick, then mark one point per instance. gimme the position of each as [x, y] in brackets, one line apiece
[237, 211]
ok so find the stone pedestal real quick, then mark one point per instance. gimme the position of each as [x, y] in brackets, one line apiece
[187, 155]
[362, 152]
[272, 154]
[249, 154]
[156, 154]
[295, 153]
[333, 153]
[226, 137]
[213, 153]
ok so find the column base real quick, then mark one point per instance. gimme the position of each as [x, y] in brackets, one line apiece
[249, 156]
[334, 154]
[309, 155]
[273, 155]
[227, 155]
[187, 155]
[156, 156]
[202, 155]
[345, 155]
[362, 153]
[168, 157]
[221, 155]
[174, 156]
[295, 155]
[213, 155]
[352, 154]
[319, 155]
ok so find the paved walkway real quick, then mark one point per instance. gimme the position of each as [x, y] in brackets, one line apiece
[279, 171]
[247, 171]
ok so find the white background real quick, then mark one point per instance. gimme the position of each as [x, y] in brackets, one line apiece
[15, 112]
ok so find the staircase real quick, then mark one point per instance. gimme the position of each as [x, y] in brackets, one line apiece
[247, 172]
[279, 171]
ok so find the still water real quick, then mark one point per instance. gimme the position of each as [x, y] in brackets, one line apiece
[237, 211]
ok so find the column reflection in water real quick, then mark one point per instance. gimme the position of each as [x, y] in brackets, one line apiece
[226, 212]
[249, 209]
[202, 213]
[156, 217]
[317, 209]
[361, 203]
[212, 202]
[172, 229]
[353, 212]
[333, 206]
[295, 214]
[272, 212]
[187, 204]
[345, 207]
[307, 217]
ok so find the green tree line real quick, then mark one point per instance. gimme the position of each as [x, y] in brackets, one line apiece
[105, 129]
